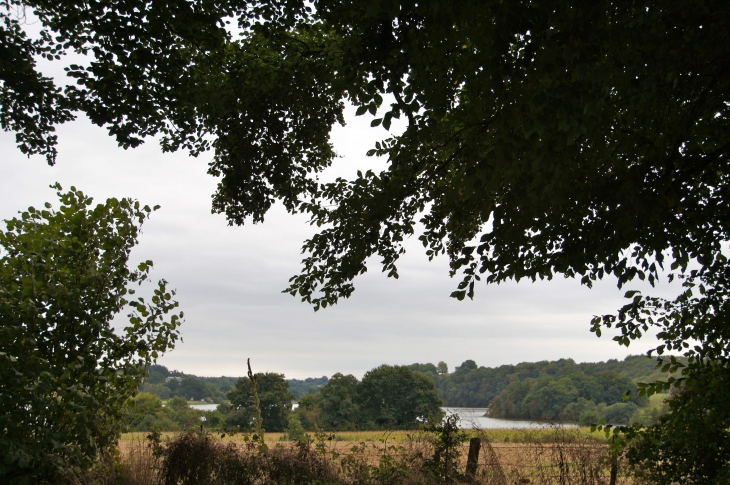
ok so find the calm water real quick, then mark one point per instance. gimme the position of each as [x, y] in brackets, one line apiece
[470, 418]
[204, 407]
[474, 418]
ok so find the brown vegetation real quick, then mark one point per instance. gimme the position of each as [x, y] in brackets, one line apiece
[558, 456]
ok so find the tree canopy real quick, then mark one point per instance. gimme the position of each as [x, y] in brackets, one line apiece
[64, 371]
[579, 139]
[541, 138]
[387, 397]
[396, 397]
[338, 403]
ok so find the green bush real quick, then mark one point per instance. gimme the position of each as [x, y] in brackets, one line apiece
[65, 373]
[295, 430]
[177, 403]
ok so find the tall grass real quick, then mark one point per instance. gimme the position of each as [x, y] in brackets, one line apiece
[138, 462]
[546, 457]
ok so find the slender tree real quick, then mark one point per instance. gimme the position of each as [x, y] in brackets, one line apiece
[274, 403]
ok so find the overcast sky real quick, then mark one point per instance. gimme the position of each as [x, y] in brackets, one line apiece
[229, 279]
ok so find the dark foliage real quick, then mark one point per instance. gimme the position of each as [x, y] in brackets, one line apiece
[689, 446]
[394, 397]
[190, 459]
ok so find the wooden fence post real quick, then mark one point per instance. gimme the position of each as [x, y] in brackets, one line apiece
[614, 466]
[473, 459]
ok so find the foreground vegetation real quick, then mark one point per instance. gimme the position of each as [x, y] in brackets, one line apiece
[65, 373]
[433, 455]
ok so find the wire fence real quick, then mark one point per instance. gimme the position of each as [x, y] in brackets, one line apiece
[550, 463]
[565, 458]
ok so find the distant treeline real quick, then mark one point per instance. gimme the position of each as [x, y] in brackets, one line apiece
[167, 384]
[472, 386]
[559, 390]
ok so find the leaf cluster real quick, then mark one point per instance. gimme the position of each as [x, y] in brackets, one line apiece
[541, 139]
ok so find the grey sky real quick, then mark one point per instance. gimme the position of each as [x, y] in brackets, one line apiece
[229, 279]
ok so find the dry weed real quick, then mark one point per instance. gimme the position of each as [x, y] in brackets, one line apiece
[565, 458]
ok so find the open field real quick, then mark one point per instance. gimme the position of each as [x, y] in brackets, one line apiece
[399, 436]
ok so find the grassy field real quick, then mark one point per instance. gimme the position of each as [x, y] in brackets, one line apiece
[541, 435]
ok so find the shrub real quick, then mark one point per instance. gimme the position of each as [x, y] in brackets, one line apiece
[190, 459]
[589, 416]
[177, 403]
[295, 430]
[65, 373]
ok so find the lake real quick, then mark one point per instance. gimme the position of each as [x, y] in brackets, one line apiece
[474, 418]
[204, 407]
[470, 418]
